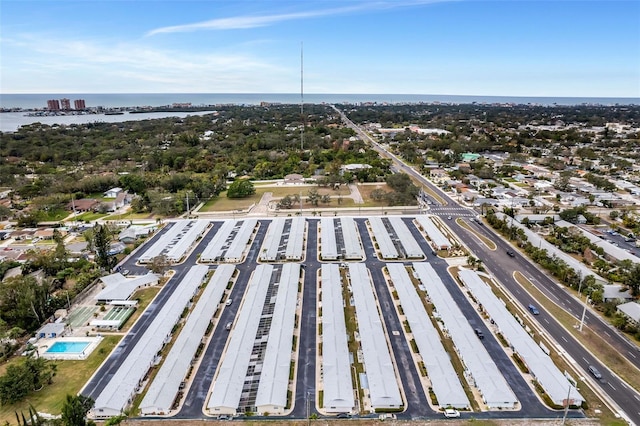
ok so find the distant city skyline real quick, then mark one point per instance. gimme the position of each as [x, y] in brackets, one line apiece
[469, 47]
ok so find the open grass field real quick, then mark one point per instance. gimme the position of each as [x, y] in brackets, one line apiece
[70, 378]
[130, 216]
[222, 203]
[365, 192]
[88, 217]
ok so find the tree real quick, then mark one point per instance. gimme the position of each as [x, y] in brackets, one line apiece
[24, 302]
[285, 202]
[313, 197]
[160, 264]
[240, 189]
[75, 409]
[378, 194]
[102, 245]
[25, 377]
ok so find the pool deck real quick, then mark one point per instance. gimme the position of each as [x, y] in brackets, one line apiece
[44, 344]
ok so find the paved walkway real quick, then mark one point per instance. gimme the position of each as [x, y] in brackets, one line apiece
[355, 194]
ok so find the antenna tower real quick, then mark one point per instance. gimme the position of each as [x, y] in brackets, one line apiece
[302, 95]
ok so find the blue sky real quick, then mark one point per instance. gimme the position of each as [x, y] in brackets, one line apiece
[467, 47]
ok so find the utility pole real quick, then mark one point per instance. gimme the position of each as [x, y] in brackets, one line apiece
[302, 96]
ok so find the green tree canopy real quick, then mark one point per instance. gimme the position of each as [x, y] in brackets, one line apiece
[240, 189]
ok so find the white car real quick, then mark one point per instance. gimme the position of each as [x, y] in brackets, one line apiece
[451, 413]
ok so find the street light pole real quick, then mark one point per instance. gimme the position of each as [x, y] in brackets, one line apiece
[584, 311]
[566, 407]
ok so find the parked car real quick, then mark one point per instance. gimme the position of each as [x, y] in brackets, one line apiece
[511, 253]
[534, 310]
[228, 326]
[479, 333]
[451, 413]
[595, 372]
[229, 302]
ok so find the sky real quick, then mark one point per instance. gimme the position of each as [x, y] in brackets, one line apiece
[467, 47]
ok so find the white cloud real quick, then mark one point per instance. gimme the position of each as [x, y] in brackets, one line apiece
[254, 21]
[132, 66]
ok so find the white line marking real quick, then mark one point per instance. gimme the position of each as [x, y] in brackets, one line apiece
[546, 320]
[611, 385]
[563, 338]
[636, 397]
[585, 360]
[631, 354]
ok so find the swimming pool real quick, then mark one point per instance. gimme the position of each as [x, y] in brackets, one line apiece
[68, 347]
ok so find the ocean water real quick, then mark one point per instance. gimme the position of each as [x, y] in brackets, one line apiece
[113, 100]
[11, 121]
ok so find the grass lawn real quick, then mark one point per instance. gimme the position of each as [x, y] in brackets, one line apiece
[70, 377]
[487, 242]
[130, 216]
[54, 215]
[365, 192]
[144, 297]
[222, 203]
[88, 216]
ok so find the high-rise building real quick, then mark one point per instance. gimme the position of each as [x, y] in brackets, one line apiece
[79, 104]
[53, 105]
[65, 104]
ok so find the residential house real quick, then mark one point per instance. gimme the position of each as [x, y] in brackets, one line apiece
[112, 193]
[631, 310]
[616, 293]
[84, 205]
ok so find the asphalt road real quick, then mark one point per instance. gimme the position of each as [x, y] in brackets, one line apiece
[502, 267]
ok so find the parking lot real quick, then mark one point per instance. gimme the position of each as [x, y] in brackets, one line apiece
[308, 355]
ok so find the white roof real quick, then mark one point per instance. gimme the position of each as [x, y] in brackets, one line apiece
[351, 238]
[433, 232]
[274, 378]
[105, 323]
[490, 382]
[194, 230]
[296, 239]
[240, 241]
[383, 386]
[538, 241]
[116, 278]
[616, 291]
[124, 287]
[385, 245]
[271, 243]
[444, 379]
[227, 386]
[631, 309]
[168, 239]
[540, 364]
[118, 393]
[328, 247]
[163, 389]
[611, 250]
[336, 366]
[213, 250]
[411, 247]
